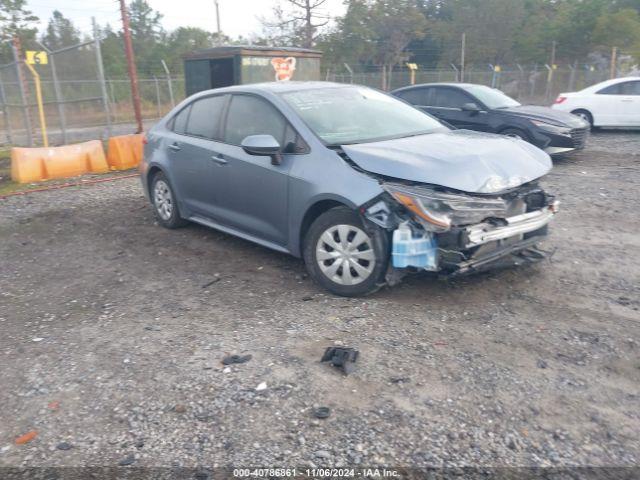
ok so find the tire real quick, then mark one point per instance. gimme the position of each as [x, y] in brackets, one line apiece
[366, 252]
[515, 133]
[585, 115]
[164, 202]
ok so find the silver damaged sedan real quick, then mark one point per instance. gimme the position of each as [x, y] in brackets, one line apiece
[361, 185]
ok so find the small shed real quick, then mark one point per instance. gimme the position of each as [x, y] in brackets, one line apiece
[238, 65]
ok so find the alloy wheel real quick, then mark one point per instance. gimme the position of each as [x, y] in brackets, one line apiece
[163, 199]
[345, 254]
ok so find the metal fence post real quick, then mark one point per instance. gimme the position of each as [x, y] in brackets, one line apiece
[155, 81]
[534, 76]
[103, 83]
[5, 112]
[166, 71]
[23, 95]
[457, 72]
[113, 100]
[572, 76]
[57, 92]
[521, 79]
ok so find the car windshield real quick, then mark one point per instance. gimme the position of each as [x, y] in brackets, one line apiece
[491, 97]
[352, 114]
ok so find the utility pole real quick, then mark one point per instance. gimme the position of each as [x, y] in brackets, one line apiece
[462, 55]
[614, 61]
[217, 18]
[131, 66]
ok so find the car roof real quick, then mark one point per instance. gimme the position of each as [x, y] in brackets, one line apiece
[278, 87]
[608, 83]
[464, 86]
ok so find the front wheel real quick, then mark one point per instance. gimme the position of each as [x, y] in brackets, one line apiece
[345, 256]
[515, 133]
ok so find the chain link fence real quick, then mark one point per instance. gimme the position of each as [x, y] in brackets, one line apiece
[80, 103]
[537, 85]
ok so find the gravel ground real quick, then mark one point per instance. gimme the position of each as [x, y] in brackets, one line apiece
[113, 332]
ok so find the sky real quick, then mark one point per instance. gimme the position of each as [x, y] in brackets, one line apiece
[237, 17]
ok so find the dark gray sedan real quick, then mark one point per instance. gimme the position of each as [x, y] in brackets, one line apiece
[361, 185]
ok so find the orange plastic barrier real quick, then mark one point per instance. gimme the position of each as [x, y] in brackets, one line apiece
[37, 164]
[125, 151]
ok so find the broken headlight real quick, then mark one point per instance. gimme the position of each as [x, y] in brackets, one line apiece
[438, 211]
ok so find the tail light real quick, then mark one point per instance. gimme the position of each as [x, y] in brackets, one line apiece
[145, 140]
[560, 100]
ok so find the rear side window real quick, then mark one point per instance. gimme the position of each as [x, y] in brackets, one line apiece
[204, 119]
[631, 88]
[249, 115]
[449, 98]
[180, 120]
[418, 96]
[611, 90]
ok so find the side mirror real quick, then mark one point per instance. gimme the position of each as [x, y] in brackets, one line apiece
[471, 107]
[263, 145]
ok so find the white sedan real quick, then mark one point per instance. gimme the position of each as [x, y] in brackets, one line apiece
[614, 103]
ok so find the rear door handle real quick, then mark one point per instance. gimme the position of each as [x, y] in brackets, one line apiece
[174, 146]
[219, 159]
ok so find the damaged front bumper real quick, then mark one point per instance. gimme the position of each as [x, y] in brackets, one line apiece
[506, 240]
[524, 252]
[518, 225]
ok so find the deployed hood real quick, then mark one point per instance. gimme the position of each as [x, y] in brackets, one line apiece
[545, 114]
[460, 159]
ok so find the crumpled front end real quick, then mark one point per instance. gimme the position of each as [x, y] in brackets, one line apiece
[460, 233]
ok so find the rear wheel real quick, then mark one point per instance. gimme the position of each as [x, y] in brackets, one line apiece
[585, 115]
[345, 256]
[164, 202]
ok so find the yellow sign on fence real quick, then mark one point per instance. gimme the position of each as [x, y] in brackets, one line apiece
[37, 57]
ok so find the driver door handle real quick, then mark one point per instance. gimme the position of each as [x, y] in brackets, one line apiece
[174, 146]
[219, 159]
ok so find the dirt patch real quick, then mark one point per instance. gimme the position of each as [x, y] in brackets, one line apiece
[116, 321]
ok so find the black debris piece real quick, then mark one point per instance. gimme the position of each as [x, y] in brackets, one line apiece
[208, 284]
[321, 412]
[231, 359]
[399, 380]
[64, 446]
[341, 357]
[128, 460]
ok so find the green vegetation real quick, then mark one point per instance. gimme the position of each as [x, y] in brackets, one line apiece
[371, 32]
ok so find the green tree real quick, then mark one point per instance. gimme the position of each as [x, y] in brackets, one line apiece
[60, 32]
[16, 21]
[186, 39]
[148, 37]
[112, 47]
[620, 29]
[351, 41]
[490, 27]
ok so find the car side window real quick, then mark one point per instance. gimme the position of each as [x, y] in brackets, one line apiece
[611, 90]
[416, 96]
[449, 98]
[179, 122]
[630, 88]
[204, 119]
[250, 115]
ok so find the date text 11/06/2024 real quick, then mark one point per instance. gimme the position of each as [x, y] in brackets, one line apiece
[315, 472]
